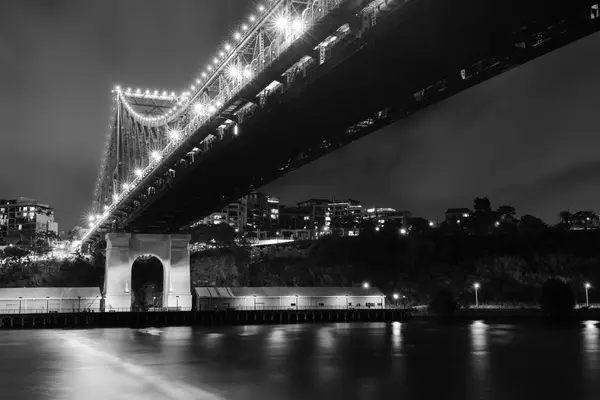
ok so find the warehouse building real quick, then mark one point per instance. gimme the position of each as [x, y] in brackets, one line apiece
[260, 298]
[41, 300]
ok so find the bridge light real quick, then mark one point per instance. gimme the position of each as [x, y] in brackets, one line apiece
[215, 60]
[212, 109]
[244, 27]
[172, 94]
[237, 35]
[174, 134]
[118, 88]
[209, 68]
[297, 25]
[204, 74]
[219, 104]
[247, 73]
[126, 186]
[281, 23]
[139, 172]
[261, 8]
[155, 155]
[198, 108]
[128, 90]
[252, 18]
[115, 197]
[234, 71]
[91, 218]
[138, 91]
[193, 87]
[91, 225]
[105, 208]
[221, 54]
[227, 47]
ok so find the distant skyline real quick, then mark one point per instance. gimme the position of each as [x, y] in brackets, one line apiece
[528, 138]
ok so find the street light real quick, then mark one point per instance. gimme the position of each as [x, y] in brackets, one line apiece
[20, 298]
[396, 296]
[47, 304]
[366, 285]
[587, 299]
[476, 287]
[177, 302]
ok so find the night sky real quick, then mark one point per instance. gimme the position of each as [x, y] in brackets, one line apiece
[529, 138]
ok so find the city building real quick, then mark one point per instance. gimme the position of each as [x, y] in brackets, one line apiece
[261, 212]
[43, 299]
[455, 215]
[261, 298]
[316, 210]
[381, 216]
[24, 217]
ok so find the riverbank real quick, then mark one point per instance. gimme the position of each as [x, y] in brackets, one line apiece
[188, 318]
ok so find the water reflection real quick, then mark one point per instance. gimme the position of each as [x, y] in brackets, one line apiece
[396, 337]
[296, 362]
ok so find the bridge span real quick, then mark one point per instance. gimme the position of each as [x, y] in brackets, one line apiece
[299, 79]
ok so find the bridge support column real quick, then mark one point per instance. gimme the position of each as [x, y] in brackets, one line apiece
[123, 249]
[117, 272]
[179, 276]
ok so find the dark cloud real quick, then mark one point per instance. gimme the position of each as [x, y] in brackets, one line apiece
[504, 138]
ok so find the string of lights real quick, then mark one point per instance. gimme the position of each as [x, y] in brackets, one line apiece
[232, 74]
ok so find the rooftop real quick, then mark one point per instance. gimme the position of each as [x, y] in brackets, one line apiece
[286, 291]
[51, 292]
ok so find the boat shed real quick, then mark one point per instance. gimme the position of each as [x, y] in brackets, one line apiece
[287, 298]
[45, 299]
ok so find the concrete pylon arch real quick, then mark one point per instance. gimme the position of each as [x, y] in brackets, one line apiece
[122, 249]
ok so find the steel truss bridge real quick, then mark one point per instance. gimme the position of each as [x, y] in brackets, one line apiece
[299, 79]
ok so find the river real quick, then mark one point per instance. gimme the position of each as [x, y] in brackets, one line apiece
[415, 360]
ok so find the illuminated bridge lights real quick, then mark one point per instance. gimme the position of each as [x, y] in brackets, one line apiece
[230, 64]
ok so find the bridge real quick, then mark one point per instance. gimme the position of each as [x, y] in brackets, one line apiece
[297, 80]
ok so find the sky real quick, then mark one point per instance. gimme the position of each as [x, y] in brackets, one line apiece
[528, 138]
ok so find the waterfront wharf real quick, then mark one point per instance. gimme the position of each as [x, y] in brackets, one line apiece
[136, 319]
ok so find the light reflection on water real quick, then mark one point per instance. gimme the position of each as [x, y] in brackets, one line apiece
[323, 361]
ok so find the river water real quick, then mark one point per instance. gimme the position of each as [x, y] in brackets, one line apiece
[415, 360]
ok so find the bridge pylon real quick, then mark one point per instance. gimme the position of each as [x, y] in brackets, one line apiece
[123, 249]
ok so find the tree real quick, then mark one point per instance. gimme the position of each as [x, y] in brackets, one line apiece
[444, 303]
[557, 296]
[530, 225]
[367, 227]
[482, 205]
[506, 212]
[566, 217]
[419, 226]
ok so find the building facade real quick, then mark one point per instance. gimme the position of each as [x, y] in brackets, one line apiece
[264, 298]
[25, 217]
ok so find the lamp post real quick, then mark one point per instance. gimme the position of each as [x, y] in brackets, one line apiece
[254, 302]
[476, 286]
[177, 297]
[47, 304]
[154, 302]
[366, 285]
[587, 299]
[79, 305]
[20, 298]
[396, 297]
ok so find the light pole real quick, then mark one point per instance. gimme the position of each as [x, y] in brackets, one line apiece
[396, 297]
[587, 299]
[476, 287]
[20, 298]
[47, 304]
[79, 305]
[366, 285]
[177, 297]
[154, 302]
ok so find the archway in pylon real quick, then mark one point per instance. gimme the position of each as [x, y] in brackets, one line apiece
[147, 283]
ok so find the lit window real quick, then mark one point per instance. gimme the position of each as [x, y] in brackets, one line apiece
[20, 227]
[31, 208]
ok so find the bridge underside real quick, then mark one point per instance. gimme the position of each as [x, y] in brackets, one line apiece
[407, 62]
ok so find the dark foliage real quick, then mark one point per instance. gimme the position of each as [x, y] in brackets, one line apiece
[444, 302]
[557, 296]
